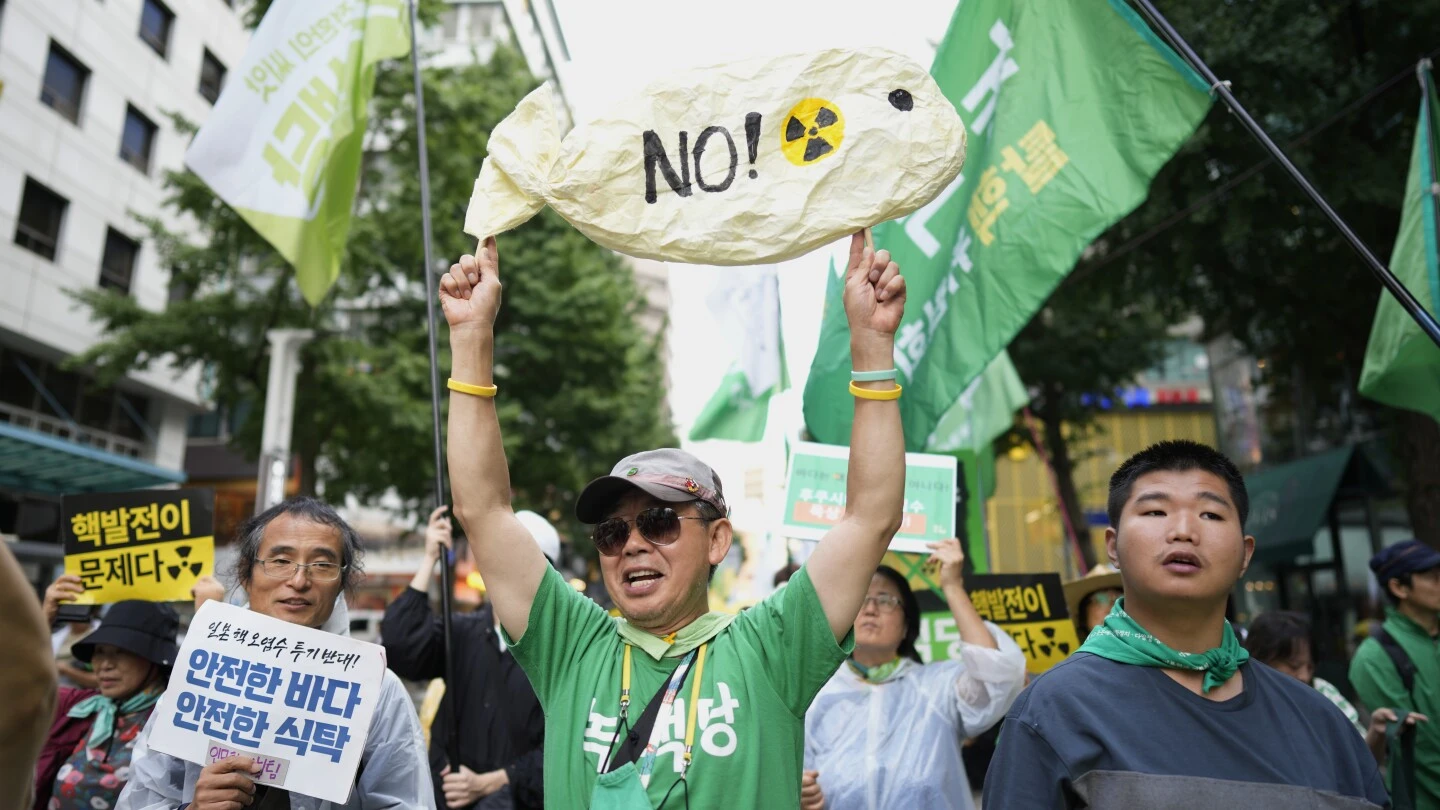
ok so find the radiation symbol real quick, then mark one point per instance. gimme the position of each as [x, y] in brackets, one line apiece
[813, 131]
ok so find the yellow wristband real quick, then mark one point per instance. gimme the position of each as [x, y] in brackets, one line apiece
[883, 396]
[473, 390]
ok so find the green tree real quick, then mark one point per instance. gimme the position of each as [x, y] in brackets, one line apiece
[1333, 82]
[1094, 335]
[579, 381]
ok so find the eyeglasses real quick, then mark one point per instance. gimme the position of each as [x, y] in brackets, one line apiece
[281, 568]
[660, 525]
[885, 603]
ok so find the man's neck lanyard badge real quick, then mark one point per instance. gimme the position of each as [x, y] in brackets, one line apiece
[646, 761]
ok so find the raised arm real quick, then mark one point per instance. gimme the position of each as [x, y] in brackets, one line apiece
[841, 566]
[507, 557]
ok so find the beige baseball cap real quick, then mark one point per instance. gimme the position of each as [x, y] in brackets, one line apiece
[669, 474]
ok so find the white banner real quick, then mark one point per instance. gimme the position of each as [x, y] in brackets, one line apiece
[299, 700]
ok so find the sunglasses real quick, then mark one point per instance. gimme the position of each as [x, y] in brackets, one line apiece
[660, 525]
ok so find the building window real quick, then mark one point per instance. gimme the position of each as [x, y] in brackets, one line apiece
[137, 140]
[155, 23]
[64, 85]
[212, 76]
[118, 265]
[41, 213]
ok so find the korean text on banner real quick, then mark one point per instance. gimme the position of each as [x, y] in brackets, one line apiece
[1030, 607]
[283, 145]
[297, 699]
[1071, 108]
[148, 544]
[815, 495]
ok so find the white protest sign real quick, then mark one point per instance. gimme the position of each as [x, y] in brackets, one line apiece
[745, 163]
[299, 700]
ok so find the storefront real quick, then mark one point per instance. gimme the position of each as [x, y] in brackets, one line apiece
[1316, 523]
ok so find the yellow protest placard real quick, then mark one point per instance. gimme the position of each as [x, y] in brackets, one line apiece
[145, 544]
[1030, 607]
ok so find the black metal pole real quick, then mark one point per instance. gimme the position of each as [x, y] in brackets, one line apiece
[452, 745]
[1421, 316]
[1427, 88]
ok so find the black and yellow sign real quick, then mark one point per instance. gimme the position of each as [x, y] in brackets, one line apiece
[1030, 607]
[813, 131]
[147, 544]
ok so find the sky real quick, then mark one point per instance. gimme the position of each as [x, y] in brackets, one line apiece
[617, 45]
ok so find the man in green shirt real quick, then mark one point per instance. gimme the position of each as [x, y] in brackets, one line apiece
[1409, 573]
[671, 705]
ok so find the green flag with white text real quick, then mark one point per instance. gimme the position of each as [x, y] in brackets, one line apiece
[283, 144]
[1402, 365]
[985, 409]
[746, 305]
[1071, 108]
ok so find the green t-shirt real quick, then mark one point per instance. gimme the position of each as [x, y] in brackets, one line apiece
[760, 675]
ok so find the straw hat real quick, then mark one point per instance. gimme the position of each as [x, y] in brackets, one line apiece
[1101, 578]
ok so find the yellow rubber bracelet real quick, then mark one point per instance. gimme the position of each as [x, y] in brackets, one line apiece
[883, 396]
[473, 390]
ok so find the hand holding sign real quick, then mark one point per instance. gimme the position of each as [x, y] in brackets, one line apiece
[67, 588]
[226, 785]
[874, 293]
[948, 556]
[470, 292]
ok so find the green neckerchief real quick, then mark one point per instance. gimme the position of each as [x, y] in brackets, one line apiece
[1122, 640]
[105, 711]
[880, 673]
[684, 640]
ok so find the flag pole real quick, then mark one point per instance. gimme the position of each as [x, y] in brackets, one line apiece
[1427, 78]
[1221, 89]
[452, 745]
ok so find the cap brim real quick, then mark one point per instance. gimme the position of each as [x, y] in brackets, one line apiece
[602, 493]
[142, 644]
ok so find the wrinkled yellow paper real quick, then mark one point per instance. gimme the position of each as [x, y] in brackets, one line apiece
[746, 163]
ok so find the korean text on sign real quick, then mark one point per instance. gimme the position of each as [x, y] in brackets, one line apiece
[147, 544]
[295, 696]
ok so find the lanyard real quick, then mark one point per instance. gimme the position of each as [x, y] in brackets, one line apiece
[647, 759]
[646, 764]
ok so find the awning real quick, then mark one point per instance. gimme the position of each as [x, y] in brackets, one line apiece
[1289, 503]
[34, 462]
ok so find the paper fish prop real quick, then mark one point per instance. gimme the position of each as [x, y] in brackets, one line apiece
[746, 163]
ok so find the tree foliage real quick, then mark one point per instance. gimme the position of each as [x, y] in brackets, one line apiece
[580, 382]
[1243, 248]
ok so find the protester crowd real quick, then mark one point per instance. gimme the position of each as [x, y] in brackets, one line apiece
[816, 697]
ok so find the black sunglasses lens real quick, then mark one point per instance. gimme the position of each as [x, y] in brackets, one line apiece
[660, 525]
[609, 536]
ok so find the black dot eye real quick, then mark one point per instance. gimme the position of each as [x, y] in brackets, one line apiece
[901, 100]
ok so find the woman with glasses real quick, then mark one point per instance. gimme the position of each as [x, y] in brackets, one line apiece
[886, 730]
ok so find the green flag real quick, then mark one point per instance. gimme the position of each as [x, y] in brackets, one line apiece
[1402, 365]
[1071, 108]
[283, 144]
[985, 409]
[747, 306]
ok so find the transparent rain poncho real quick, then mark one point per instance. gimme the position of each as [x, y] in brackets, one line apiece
[394, 772]
[897, 744]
